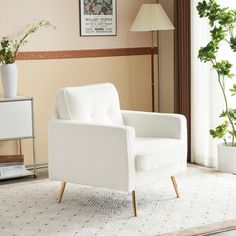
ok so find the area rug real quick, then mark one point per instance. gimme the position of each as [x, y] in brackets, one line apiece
[207, 204]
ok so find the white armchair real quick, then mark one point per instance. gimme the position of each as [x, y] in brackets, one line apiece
[94, 143]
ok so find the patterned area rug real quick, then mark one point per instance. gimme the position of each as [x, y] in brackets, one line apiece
[208, 203]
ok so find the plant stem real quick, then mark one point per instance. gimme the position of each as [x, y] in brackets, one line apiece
[226, 107]
[18, 45]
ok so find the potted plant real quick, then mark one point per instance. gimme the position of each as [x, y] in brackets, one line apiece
[8, 52]
[222, 22]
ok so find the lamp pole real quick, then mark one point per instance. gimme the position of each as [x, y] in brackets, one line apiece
[152, 73]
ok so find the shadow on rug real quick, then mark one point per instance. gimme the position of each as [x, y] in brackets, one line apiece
[207, 204]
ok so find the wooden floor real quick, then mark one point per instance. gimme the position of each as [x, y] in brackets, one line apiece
[226, 233]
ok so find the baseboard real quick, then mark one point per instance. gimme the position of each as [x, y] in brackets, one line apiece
[38, 166]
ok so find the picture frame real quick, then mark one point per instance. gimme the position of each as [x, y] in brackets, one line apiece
[98, 17]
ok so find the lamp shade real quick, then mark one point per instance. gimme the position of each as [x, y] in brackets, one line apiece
[151, 17]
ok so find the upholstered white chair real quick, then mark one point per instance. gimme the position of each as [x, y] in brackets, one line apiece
[95, 143]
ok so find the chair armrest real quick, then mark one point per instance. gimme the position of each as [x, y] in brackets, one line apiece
[89, 154]
[150, 124]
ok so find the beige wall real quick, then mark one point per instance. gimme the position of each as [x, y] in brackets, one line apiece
[64, 14]
[166, 61]
[41, 78]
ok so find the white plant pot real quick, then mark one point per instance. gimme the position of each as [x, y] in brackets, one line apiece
[226, 158]
[9, 80]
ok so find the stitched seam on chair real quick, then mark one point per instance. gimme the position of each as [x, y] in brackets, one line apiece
[158, 151]
[142, 171]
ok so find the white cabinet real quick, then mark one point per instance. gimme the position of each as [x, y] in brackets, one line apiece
[16, 121]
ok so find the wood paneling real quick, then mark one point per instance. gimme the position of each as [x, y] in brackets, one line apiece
[182, 80]
[44, 55]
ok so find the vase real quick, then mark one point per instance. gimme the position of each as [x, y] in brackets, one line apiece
[9, 80]
[226, 158]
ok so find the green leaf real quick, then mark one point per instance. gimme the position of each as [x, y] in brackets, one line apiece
[233, 90]
[218, 33]
[208, 53]
[202, 8]
[210, 9]
[232, 113]
[233, 43]
[226, 18]
[223, 114]
[220, 131]
[224, 68]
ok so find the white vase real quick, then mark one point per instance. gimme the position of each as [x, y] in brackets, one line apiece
[226, 158]
[9, 80]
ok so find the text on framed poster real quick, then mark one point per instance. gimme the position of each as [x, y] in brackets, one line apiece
[97, 17]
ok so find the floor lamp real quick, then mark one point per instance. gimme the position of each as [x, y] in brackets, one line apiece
[152, 17]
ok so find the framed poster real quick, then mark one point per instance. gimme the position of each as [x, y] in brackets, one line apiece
[97, 17]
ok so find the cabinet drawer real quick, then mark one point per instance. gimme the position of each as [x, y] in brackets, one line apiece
[16, 119]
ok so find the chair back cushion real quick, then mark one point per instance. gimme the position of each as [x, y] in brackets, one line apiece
[98, 104]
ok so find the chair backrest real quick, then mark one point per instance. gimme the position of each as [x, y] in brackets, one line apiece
[97, 103]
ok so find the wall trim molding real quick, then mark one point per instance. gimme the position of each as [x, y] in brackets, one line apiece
[67, 54]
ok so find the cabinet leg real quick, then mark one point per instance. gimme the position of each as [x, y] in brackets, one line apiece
[20, 146]
[34, 158]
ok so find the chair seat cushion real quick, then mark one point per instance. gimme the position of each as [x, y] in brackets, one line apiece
[153, 153]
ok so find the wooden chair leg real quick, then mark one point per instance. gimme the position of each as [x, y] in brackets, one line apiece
[175, 186]
[134, 203]
[63, 185]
